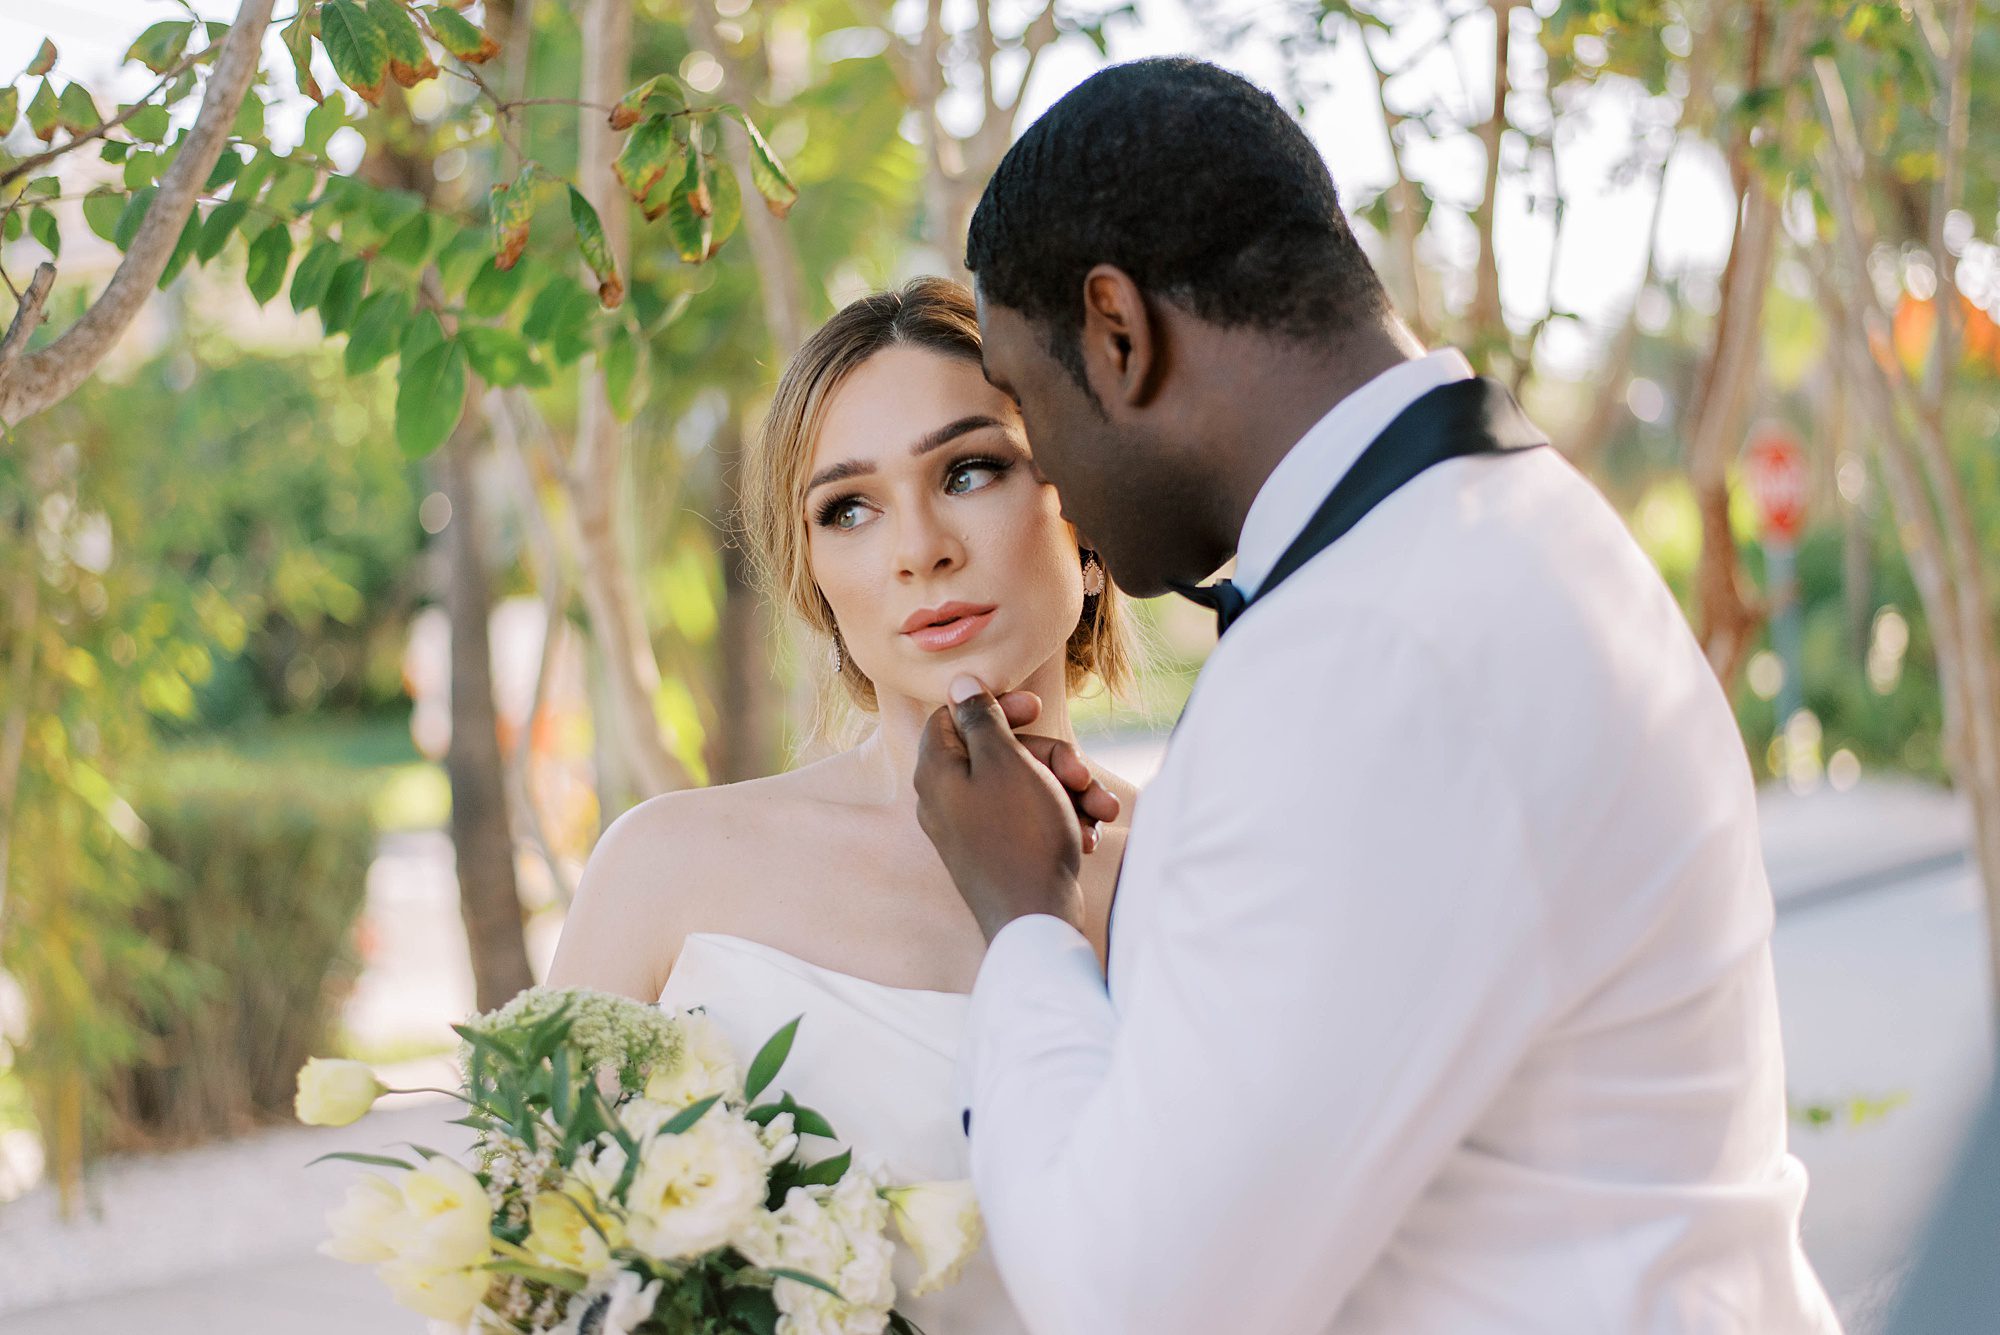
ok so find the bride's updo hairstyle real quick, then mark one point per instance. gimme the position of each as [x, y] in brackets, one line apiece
[931, 313]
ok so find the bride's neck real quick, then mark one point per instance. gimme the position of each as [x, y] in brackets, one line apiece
[890, 752]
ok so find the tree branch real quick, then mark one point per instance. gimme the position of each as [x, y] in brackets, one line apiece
[27, 316]
[51, 374]
[98, 131]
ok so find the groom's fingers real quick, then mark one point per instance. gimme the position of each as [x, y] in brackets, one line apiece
[981, 724]
[941, 745]
[1021, 708]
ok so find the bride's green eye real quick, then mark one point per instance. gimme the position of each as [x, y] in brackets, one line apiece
[971, 476]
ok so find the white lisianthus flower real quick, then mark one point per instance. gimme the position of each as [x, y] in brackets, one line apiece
[616, 1302]
[838, 1234]
[704, 1065]
[780, 1136]
[693, 1191]
[335, 1093]
[369, 1225]
[643, 1117]
[940, 1222]
[450, 1219]
[442, 1295]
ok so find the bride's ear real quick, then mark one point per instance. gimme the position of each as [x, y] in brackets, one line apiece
[1118, 340]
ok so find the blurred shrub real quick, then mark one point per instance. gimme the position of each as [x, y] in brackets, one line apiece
[267, 868]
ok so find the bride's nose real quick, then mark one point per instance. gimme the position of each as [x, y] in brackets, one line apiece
[925, 545]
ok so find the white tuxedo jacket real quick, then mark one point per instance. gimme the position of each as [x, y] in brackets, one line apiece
[1440, 998]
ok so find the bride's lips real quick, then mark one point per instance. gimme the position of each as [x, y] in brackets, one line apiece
[936, 629]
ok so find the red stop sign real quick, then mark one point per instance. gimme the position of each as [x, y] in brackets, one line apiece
[1775, 469]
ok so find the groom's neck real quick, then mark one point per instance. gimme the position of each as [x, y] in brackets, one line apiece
[1270, 392]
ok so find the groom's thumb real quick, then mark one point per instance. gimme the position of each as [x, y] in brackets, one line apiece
[977, 715]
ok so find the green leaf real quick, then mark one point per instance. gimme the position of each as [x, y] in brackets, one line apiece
[298, 36]
[75, 111]
[492, 291]
[728, 214]
[131, 216]
[770, 1058]
[374, 1160]
[114, 150]
[183, 251]
[249, 123]
[270, 253]
[801, 1277]
[11, 225]
[421, 335]
[513, 210]
[643, 161]
[42, 187]
[227, 168]
[101, 210]
[10, 109]
[691, 232]
[219, 226]
[409, 244]
[827, 1171]
[661, 93]
[159, 48]
[355, 44]
[560, 311]
[42, 113]
[344, 290]
[430, 396]
[42, 226]
[621, 375]
[567, 1280]
[501, 357]
[44, 61]
[315, 271]
[689, 1115]
[804, 1120]
[767, 173]
[141, 170]
[410, 60]
[151, 125]
[596, 250]
[458, 35]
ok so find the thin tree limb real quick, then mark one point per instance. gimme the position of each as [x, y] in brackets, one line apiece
[27, 316]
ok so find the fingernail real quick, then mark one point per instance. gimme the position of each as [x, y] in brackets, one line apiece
[963, 688]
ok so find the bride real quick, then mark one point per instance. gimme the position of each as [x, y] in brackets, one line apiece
[893, 504]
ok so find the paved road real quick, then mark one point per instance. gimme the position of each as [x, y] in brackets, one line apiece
[1879, 952]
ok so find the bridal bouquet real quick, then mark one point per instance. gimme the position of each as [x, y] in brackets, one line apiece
[626, 1180]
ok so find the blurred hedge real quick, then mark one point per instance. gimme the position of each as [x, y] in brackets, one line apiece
[267, 876]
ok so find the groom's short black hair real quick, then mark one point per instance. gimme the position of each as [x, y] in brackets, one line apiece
[1192, 180]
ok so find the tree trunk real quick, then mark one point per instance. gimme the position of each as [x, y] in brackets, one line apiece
[1489, 324]
[489, 900]
[610, 592]
[748, 697]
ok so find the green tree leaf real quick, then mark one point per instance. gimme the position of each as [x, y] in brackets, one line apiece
[458, 35]
[501, 356]
[355, 44]
[643, 160]
[183, 251]
[270, 254]
[42, 113]
[344, 290]
[596, 250]
[767, 173]
[420, 336]
[227, 168]
[430, 397]
[44, 61]
[249, 122]
[378, 325]
[75, 111]
[691, 232]
[10, 109]
[621, 375]
[101, 208]
[131, 216]
[492, 291]
[150, 124]
[216, 230]
[660, 94]
[513, 210]
[159, 48]
[298, 37]
[42, 226]
[410, 60]
[728, 192]
[409, 244]
[315, 271]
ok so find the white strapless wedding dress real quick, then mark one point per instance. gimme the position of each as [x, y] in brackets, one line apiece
[876, 1062]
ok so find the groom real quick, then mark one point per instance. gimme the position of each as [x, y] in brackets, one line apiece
[1440, 995]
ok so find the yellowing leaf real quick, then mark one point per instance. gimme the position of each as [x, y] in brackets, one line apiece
[596, 250]
[643, 161]
[410, 60]
[458, 35]
[355, 44]
[44, 61]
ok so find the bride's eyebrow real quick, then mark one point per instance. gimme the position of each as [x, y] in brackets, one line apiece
[924, 444]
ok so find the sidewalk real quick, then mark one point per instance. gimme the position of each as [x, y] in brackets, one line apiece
[1880, 960]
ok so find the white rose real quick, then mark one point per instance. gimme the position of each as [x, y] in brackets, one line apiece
[450, 1220]
[694, 1191]
[940, 1222]
[616, 1302]
[335, 1093]
[706, 1065]
[369, 1225]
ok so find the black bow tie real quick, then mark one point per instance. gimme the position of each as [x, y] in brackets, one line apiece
[1222, 598]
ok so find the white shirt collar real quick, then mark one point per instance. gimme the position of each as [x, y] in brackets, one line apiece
[1293, 492]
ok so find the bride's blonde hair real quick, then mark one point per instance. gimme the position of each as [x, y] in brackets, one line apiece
[931, 313]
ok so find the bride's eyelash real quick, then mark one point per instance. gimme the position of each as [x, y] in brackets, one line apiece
[833, 505]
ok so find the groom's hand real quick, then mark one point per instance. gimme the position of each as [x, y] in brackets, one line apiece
[1008, 819]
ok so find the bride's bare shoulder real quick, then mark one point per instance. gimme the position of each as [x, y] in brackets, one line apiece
[664, 868]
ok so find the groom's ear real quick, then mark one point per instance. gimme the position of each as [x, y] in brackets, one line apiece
[1119, 341]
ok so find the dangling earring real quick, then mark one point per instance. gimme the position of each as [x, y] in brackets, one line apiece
[1093, 577]
[833, 655]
